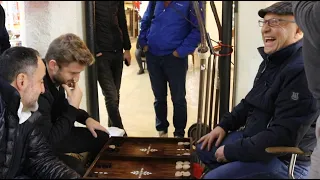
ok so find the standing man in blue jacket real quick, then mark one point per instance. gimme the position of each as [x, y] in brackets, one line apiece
[167, 36]
[279, 110]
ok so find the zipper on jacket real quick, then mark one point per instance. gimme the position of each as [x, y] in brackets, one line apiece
[265, 65]
[269, 122]
[263, 70]
[13, 150]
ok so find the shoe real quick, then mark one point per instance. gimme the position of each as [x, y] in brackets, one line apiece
[141, 71]
[178, 137]
[163, 134]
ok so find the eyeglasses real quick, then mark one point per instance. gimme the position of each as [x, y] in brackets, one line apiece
[272, 22]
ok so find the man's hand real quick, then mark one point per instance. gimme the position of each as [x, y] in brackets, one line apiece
[220, 155]
[145, 48]
[99, 54]
[175, 54]
[127, 56]
[93, 125]
[74, 96]
[216, 134]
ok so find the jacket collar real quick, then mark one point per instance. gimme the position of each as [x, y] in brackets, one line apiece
[49, 85]
[10, 95]
[281, 55]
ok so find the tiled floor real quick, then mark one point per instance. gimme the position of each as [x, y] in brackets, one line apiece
[136, 101]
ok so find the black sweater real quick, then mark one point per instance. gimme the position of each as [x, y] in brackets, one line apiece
[111, 27]
[58, 116]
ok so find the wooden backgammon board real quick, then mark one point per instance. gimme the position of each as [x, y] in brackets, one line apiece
[143, 158]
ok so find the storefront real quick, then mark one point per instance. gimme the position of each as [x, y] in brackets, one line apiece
[13, 20]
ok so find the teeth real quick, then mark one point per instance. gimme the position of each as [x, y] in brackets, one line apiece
[269, 38]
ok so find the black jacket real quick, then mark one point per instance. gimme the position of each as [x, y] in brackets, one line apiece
[277, 110]
[111, 27]
[24, 151]
[58, 116]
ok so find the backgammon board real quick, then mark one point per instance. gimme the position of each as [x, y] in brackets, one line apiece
[143, 158]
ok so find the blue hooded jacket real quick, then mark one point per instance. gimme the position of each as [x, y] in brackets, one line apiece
[170, 29]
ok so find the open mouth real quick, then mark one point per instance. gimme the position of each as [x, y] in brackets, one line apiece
[269, 39]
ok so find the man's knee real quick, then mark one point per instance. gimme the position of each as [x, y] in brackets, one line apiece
[111, 100]
[102, 136]
[74, 163]
[204, 155]
[160, 100]
[179, 101]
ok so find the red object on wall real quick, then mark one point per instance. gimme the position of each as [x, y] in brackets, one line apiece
[136, 4]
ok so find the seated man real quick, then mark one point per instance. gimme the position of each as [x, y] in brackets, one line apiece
[24, 151]
[65, 59]
[277, 110]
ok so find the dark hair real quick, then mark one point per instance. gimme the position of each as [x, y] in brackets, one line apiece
[16, 60]
[69, 48]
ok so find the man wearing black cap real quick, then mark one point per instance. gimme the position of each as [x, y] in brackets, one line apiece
[277, 111]
[307, 16]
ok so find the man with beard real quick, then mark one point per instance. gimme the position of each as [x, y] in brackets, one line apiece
[24, 151]
[65, 59]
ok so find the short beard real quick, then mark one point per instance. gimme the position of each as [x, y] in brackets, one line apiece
[57, 80]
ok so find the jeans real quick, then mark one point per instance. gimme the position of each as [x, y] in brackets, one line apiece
[110, 65]
[138, 55]
[172, 70]
[275, 168]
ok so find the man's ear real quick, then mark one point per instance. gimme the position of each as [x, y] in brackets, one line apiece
[53, 65]
[21, 81]
[299, 33]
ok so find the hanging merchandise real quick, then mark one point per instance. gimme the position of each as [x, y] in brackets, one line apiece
[136, 5]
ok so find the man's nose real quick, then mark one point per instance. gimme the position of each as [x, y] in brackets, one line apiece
[76, 78]
[265, 28]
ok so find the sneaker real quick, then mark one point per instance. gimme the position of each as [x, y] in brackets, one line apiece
[178, 137]
[141, 71]
[163, 134]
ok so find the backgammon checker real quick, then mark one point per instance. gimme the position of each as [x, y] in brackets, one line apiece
[143, 158]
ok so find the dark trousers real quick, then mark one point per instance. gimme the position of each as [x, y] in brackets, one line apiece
[110, 66]
[80, 140]
[172, 70]
[138, 55]
[273, 169]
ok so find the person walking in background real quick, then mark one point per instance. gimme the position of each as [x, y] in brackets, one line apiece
[112, 48]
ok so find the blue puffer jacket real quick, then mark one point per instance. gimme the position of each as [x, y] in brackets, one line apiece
[277, 111]
[170, 29]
